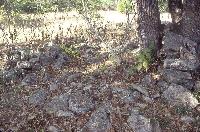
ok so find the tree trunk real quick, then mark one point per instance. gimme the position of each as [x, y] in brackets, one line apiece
[148, 22]
[190, 23]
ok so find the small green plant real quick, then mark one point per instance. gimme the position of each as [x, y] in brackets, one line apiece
[163, 5]
[145, 57]
[124, 6]
[70, 50]
[197, 95]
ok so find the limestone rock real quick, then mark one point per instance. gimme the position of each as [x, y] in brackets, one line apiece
[178, 77]
[139, 123]
[58, 103]
[38, 97]
[125, 95]
[177, 95]
[179, 64]
[30, 79]
[99, 121]
[80, 103]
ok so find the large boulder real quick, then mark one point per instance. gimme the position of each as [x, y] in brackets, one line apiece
[99, 120]
[180, 64]
[178, 77]
[80, 103]
[58, 103]
[177, 95]
[139, 123]
[173, 43]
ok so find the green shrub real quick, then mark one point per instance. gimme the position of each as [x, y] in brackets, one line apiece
[145, 57]
[30, 7]
[70, 50]
[197, 95]
[163, 5]
[124, 6]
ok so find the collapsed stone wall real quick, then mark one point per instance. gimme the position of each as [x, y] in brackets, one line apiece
[181, 60]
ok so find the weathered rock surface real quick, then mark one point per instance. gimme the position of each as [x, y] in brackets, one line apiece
[178, 77]
[139, 123]
[99, 121]
[65, 113]
[187, 119]
[80, 103]
[140, 89]
[38, 97]
[162, 85]
[177, 95]
[174, 44]
[53, 129]
[125, 95]
[30, 79]
[58, 103]
[183, 65]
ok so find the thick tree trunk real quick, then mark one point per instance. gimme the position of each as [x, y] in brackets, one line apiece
[190, 23]
[148, 22]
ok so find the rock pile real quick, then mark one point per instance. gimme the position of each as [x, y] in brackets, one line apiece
[181, 60]
[69, 96]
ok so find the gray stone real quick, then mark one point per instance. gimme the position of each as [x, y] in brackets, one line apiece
[53, 52]
[61, 61]
[34, 60]
[53, 86]
[187, 119]
[80, 103]
[177, 95]
[162, 85]
[30, 79]
[139, 123]
[62, 113]
[183, 65]
[99, 121]
[178, 77]
[11, 75]
[155, 126]
[190, 45]
[185, 54]
[47, 77]
[52, 129]
[45, 60]
[2, 130]
[125, 95]
[24, 65]
[148, 99]
[174, 43]
[74, 77]
[140, 89]
[148, 81]
[58, 103]
[171, 42]
[38, 98]
[174, 75]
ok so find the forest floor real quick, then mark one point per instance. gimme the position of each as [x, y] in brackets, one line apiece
[83, 86]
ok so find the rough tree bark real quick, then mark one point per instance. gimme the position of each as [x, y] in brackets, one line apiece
[190, 23]
[148, 22]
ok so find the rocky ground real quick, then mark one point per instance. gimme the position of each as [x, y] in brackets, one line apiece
[50, 90]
